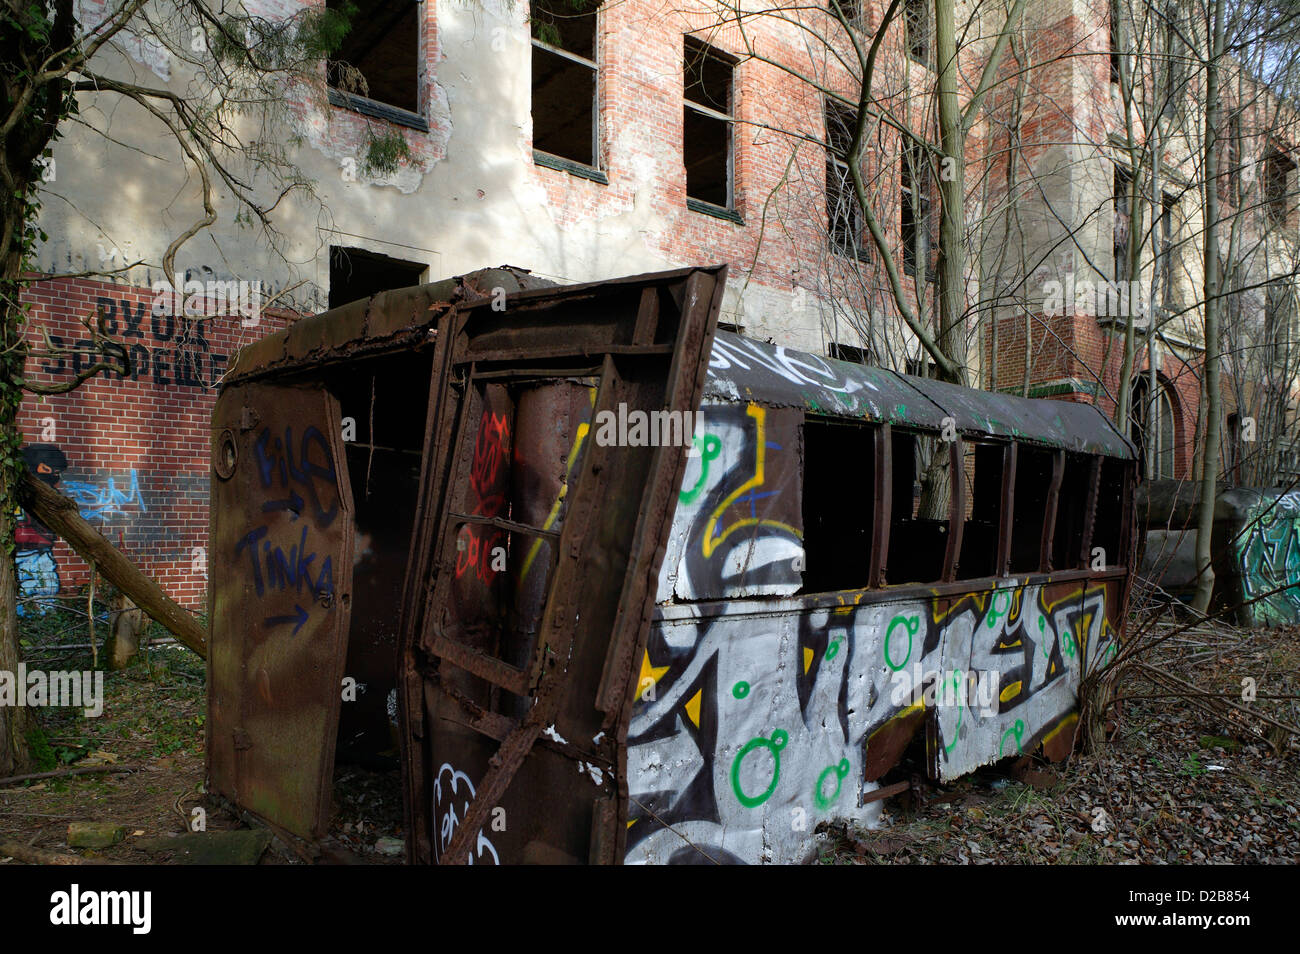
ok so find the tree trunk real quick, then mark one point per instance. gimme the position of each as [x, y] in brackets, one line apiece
[951, 292]
[60, 515]
[1211, 397]
[14, 756]
[128, 624]
[14, 720]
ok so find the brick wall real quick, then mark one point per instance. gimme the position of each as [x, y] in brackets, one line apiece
[132, 451]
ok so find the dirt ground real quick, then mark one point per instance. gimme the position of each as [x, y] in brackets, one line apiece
[153, 724]
[1179, 781]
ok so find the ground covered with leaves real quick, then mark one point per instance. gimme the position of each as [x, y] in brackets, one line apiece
[1202, 765]
[150, 738]
[1190, 774]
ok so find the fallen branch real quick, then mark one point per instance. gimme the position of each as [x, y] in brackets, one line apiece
[61, 773]
[36, 856]
[62, 516]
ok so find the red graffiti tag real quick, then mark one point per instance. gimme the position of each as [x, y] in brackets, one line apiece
[476, 545]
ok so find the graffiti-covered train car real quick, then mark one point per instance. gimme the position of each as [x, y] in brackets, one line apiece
[858, 559]
[618, 589]
[1254, 547]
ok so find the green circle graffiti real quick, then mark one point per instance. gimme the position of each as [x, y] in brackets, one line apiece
[961, 714]
[832, 650]
[994, 613]
[839, 771]
[774, 747]
[1018, 730]
[740, 689]
[909, 623]
[708, 448]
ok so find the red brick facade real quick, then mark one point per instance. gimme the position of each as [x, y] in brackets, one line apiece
[131, 451]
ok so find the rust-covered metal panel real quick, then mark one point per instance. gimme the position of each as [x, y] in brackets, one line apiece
[518, 676]
[280, 566]
[390, 320]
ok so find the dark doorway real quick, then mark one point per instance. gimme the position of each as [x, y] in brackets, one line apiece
[356, 273]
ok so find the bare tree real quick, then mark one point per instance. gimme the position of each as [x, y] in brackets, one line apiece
[227, 110]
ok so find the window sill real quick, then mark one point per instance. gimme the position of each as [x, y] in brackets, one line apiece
[861, 253]
[377, 110]
[581, 170]
[717, 211]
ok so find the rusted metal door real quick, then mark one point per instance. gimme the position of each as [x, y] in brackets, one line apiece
[542, 523]
[280, 571]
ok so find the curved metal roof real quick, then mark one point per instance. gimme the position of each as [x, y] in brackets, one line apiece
[742, 369]
[388, 320]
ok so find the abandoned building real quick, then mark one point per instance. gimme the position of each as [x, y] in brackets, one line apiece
[594, 142]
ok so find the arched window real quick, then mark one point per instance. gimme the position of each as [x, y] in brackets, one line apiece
[1152, 428]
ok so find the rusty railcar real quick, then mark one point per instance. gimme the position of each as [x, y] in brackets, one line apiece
[623, 589]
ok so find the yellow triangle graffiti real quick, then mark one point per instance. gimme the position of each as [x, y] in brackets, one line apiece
[693, 707]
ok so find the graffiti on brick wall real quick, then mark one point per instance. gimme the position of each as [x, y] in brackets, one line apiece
[38, 573]
[165, 349]
[104, 499]
[1268, 555]
[101, 499]
[753, 725]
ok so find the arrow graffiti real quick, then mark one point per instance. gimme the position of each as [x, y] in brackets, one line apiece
[299, 617]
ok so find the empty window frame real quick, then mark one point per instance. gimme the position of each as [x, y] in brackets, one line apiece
[1114, 42]
[918, 546]
[844, 218]
[920, 32]
[1279, 316]
[1152, 427]
[379, 55]
[839, 536]
[1165, 265]
[984, 471]
[1078, 481]
[1111, 533]
[1176, 56]
[356, 273]
[565, 79]
[1123, 222]
[1278, 172]
[1230, 175]
[850, 11]
[1032, 506]
[915, 218]
[843, 352]
[709, 79]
